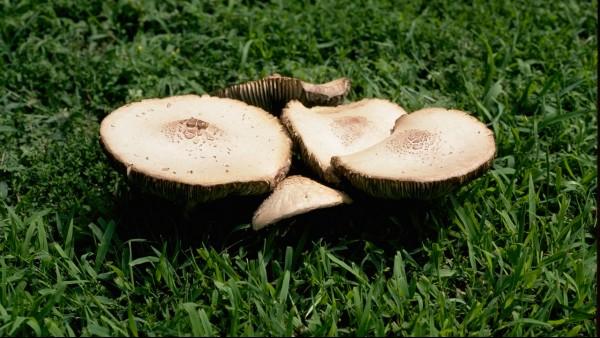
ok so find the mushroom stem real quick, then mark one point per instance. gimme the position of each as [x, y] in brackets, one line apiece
[273, 92]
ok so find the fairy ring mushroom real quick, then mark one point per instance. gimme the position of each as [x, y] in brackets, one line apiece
[293, 196]
[197, 148]
[323, 132]
[430, 152]
[273, 92]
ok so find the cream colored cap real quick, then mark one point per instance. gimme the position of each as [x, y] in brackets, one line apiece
[204, 147]
[430, 152]
[296, 195]
[323, 132]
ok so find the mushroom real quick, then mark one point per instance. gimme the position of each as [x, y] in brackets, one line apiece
[197, 148]
[323, 132]
[430, 152]
[273, 92]
[293, 196]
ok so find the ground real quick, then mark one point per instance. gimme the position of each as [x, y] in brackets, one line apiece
[511, 253]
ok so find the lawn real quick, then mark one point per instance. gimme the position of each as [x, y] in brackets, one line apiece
[511, 253]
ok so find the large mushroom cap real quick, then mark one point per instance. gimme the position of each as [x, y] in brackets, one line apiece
[323, 132]
[430, 152]
[296, 195]
[273, 92]
[198, 148]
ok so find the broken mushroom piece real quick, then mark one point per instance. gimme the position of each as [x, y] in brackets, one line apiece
[296, 195]
[197, 148]
[430, 152]
[273, 92]
[323, 132]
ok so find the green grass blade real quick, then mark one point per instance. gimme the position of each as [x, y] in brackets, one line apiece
[285, 284]
[104, 243]
[346, 267]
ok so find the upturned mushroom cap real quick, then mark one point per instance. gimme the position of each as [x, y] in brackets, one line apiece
[197, 148]
[296, 195]
[273, 92]
[323, 132]
[430, 152]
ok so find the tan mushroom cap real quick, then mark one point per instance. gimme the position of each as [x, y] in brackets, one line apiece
[296, 195]
[430, 152]
[323, 132]
[199, 148]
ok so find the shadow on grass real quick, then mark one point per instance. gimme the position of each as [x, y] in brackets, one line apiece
[225, 224]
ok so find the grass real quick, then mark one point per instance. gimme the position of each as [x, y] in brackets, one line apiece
[512, 253]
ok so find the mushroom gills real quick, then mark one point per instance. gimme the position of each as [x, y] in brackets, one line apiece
[273, 92]
[430, 153]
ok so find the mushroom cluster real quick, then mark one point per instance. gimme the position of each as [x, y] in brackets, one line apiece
[240, 141]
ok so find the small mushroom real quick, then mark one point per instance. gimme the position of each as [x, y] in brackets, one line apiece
[430, 152]
[197, 148]
[273, 92]
[296, 195]
[323, 132]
